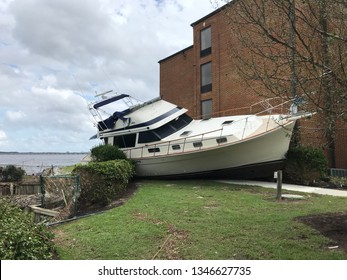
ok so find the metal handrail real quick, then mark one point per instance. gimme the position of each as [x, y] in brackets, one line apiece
[168, 143]
[186, 140]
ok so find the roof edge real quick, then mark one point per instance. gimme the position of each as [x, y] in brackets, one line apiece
[176, 53]
[214, 12]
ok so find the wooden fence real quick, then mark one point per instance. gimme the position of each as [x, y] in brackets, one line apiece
[19, 188]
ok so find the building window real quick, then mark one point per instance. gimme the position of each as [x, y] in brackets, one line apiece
[206, 77]
[206, 109]
[205, 42]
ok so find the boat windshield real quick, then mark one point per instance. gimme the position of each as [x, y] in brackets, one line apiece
[165, 130]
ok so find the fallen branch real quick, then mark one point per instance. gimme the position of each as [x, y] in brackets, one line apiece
[162, 246]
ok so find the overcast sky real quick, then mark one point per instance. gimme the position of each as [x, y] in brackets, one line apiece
[55, 54]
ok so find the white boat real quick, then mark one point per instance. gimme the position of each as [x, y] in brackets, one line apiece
[166, 143]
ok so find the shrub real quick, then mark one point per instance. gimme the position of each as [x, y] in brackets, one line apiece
[339, 181]
[11, 173]
[102, 182]
[305, 165]
[20, 238]
[106, 152]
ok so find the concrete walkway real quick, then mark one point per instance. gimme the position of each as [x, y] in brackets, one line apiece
[290, 187]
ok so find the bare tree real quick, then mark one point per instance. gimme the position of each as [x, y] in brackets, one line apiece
[294, 48]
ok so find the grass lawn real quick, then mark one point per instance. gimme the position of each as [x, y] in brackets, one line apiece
[201, 220]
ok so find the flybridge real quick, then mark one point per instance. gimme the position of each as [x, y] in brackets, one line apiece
[110, 100]
[108, 121]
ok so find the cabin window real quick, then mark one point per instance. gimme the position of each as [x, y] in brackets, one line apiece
[222, 140]
[165, 130]
[205, 42]
[176, 147]
[206, 77]
[181, 121]
[197, 144]
[125, 141]
[154, 150]
[227, 122]
[206, 109]
[148, 136]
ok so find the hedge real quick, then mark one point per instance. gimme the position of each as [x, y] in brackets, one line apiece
[305, 165]
[106, 153]
[102, 182]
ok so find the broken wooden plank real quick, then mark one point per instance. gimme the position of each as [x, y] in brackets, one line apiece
[43, 211]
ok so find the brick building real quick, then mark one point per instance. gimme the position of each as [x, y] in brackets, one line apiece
[203, 79]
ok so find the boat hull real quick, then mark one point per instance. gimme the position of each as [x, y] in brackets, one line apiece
[254, 157]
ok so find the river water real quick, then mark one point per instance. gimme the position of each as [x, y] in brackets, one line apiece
[34, 163]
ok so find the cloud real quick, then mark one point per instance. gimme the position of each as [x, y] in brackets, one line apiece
[54, 56]
[3, 139]
[14, 116]
[3, 136]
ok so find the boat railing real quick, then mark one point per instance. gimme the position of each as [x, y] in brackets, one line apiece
[185, 144]
[208, 140]
[192, 143]
[274, 105]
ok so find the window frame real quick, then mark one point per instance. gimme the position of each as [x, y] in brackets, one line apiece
[205, 41]
[125, 141]
[206, 114]
[206, 77]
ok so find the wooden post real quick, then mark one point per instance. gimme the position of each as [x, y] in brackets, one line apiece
[11, 189]
[279, 185]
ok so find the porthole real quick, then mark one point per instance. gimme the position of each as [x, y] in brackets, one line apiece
[222, 140]
[154, 150]
[176, 147]
[197, 144]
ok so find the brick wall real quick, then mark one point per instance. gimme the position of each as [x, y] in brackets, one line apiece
[180, 84]
[180, 75]
[177, 83]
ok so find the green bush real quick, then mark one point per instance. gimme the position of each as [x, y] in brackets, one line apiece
[20, 238]
[106, 152]
[305, 165]
[102, 182]
[339, 181]
[11, 173]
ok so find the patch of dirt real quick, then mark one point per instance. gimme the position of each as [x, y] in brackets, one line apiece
[170, 249]
[333, 226]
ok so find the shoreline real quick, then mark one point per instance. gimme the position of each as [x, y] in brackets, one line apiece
[43, 153]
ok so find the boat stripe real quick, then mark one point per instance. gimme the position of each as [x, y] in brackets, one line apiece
[153, 121]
